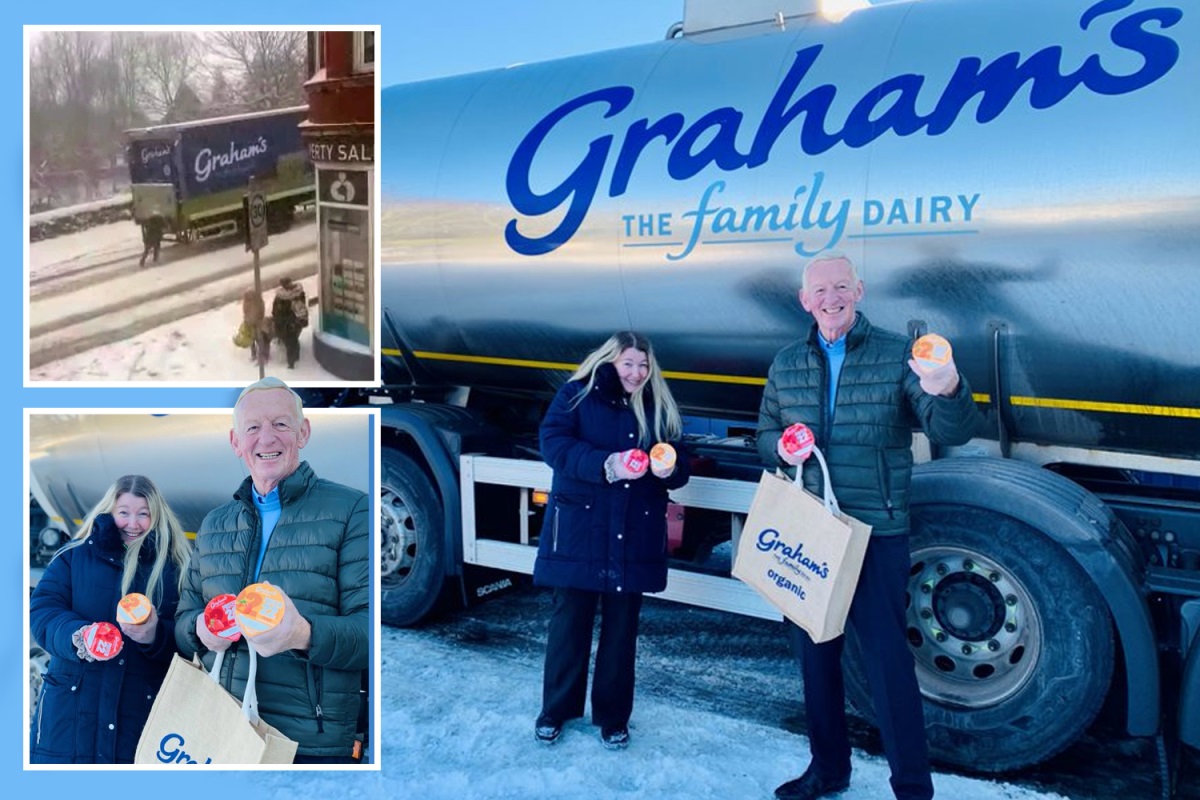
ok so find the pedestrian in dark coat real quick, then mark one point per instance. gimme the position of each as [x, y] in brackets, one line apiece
[604, 541]
[152, 234]
[92, 711]
[290, 313]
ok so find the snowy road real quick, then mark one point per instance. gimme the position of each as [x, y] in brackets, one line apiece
[94, 315]
[192, 349]
[717, 715]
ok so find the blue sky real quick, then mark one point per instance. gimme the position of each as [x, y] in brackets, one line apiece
[431, 41]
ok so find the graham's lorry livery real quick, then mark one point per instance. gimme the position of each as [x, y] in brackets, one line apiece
[194, 174]
[1022, 178]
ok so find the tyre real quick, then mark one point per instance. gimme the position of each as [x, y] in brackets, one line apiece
[412, 552]
[279, 217]
[1013, 644]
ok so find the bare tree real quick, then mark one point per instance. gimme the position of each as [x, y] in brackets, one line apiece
[72, 60]
[222, 99]
[269, 65]
[120, 87]
[171, 61]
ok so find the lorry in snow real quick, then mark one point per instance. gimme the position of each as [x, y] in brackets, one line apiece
[1020, 177]
[194, 174]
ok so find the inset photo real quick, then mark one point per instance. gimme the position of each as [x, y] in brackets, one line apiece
[201, 206]
[201, 586]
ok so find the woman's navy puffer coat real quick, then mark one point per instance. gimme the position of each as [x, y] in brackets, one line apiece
[599, 536]
[92, 712]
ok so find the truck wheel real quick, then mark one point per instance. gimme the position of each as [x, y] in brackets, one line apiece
[411, 543]
[1012, 642]
[279, 217]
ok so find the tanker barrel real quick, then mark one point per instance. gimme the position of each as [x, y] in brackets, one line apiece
[1035, 173]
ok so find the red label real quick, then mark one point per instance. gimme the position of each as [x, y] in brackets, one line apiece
[636, 461]
[103, 640]
[219, 617]
[798, 440]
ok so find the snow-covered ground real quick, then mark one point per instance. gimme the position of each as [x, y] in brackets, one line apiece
[98, 244]
[458, 725]
[193, 348]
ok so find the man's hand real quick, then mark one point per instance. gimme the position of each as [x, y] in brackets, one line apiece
[795, 459]
[941, 380]
[142, 633]
[292, 633]
[208, 638]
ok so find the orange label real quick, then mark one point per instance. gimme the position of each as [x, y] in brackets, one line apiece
[662, 455]
[932, 351]
[133, 608]
[259, 608]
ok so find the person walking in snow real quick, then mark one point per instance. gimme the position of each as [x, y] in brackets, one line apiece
[152, 234]
[290, 313]
[261, 327]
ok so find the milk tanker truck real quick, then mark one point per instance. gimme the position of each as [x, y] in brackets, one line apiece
[1020, 177]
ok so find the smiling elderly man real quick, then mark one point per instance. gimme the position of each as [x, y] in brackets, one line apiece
[308, 537]
[862, 394]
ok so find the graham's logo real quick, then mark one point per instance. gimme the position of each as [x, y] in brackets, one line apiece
[894, 105]
[208, 162]
[170, 751]
[157, 151]
[790, 555]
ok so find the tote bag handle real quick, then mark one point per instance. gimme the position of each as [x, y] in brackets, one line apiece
[250, 698]
[831, 503]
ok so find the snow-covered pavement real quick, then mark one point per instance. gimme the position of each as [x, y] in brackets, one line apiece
[194, 348]
[458, 725]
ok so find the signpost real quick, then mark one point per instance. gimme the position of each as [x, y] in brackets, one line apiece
[256, 228]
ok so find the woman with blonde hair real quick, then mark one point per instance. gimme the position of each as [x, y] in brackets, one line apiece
[93, 708]
[604, 540]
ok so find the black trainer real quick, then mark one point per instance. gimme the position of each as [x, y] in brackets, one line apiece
[810, 786]
[615, 738]
[547, 730]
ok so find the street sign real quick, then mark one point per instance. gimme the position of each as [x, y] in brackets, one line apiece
[257, 220]
[343, 186]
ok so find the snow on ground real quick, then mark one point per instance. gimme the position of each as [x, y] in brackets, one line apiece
[194, 348]
[458, 725]
[98, 244]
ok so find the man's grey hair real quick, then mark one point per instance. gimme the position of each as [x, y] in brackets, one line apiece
[828, 255]
[269, 382]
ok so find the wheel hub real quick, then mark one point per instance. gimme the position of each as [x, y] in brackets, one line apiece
[968, 606]
[398, 539]
[973, 627]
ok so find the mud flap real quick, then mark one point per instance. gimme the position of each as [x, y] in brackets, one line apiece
[485, 583]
